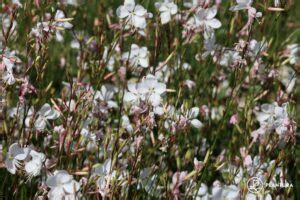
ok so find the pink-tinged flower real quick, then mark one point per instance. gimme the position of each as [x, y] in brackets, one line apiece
[274, 118]
[198, 165]
[26, 88]
[233, 119]
[177, 180]
[247, 160]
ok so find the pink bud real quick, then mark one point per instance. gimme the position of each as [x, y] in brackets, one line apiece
[233, 119]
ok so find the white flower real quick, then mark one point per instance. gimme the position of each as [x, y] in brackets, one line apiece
[105, 175]
[14, 156]
[8, 76]
[288, 78]
[242, 5]
[17, 2]
[228, 58]
[134, 15]
[149, 182]
[255, 48]
[8, 63]
[152, 89]
[206, 18]
[21, 114]
[192, 115]
[75, 44]
[231, 192]
[34, 166]
[132, 95]
[44, 114]
[274, 117]
[138, 56]
[62, 186]
[251, 196]
[104, 169]
[59, 20]
[106, 95]
[38, 30]
[148, 90]
[202, 193]
[60, 24]
[126, 124]
[226, 192]
[210, 45]
[167, 9]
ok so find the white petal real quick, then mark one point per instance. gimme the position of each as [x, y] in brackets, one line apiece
[8, 78]
[160, 88]
[155, 99]
[122, 12]
[128, 97]
[51, 181]
[129, 2]
[165, 17]
[196, 123]
[214, 23]
[58, 36]
[202, 190]
[158, 110]
[32, 168]
[54, 114]
[174, 9]
[67, 25]
[261, 116]
[139, 22]
[71, 187]
[231, 192]
[40, 123]
[10, 166]
[268, 108]
[8, 64]
[211, 12]
[144, 62]
[238, 7]
[193, 113]
[244, 2]
[140, 10]
[217, 192]
[45, 109]
[59, 15]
